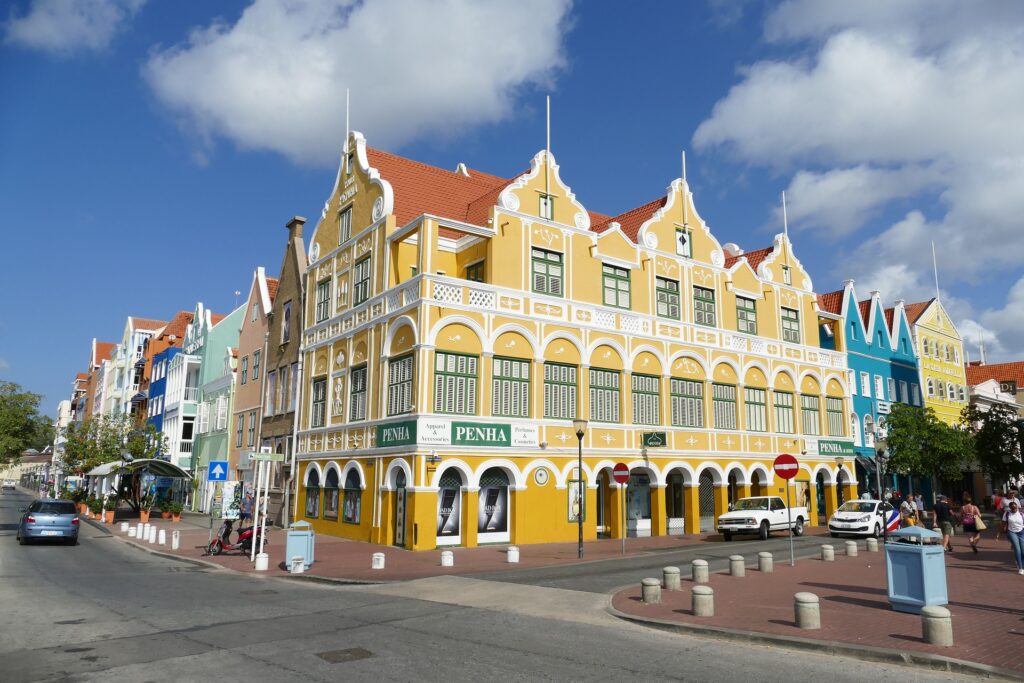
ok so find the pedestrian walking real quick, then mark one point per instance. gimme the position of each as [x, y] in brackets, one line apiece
[1004, 505]
[1013, 525]
[970, 515]
[245, 510]
[944, 520]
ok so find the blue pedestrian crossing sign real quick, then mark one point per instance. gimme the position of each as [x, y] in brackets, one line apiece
[218, 470]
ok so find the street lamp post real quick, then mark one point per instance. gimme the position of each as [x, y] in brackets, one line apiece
[580, 425]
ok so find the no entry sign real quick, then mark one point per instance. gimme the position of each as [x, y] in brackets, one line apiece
[786, 466]
[621, 473]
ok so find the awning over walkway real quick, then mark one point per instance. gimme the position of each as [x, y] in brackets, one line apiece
[103, 470]
[160, 468]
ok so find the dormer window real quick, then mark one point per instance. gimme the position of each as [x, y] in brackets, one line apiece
[684, 242]
[547, 207]
[787, 275]
[350, 162]
[345, 226]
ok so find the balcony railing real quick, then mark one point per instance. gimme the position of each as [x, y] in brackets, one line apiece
[191, 394]
[185, 447]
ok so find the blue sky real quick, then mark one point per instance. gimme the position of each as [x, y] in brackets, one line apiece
[152, 151]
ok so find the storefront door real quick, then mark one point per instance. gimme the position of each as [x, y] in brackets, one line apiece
[493, 508]
[400, 508]
[706, 501]
[449, 508]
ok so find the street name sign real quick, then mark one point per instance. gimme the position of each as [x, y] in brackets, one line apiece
[268, 457]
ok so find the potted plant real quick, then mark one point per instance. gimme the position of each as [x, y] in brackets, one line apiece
[95, 506]
[144, 505]
[89, 506]
[110, 508]
[176, 509]
[165, 508]
[79, 496]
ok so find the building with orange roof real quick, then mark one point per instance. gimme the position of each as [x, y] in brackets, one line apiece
[994, 384]
[457, 323]
[160, 350]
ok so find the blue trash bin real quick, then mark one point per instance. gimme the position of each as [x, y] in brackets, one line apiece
[301, 541]
[915, 569]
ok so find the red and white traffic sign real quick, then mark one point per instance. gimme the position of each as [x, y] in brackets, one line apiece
[621, 473]
[786, 466]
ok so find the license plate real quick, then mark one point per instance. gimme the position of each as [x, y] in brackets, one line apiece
[841, 525]
[48, 532]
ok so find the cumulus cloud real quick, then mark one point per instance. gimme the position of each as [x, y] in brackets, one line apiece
[276, 78]
[67, 26]
[999, 328]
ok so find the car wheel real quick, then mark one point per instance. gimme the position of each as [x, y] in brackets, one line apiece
[727, 536]
[798, 528]
[763, 531]
[878, 531]
[22, 540]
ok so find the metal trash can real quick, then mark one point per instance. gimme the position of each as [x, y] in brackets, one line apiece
[915, 569]
[300, 541]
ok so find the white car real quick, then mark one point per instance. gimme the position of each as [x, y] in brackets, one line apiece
[863, 518]
[761, 515]
[9, 485]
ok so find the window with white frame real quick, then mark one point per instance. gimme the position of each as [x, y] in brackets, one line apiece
[560, 387]
[879, 387]
[834, 416]
[891, 383]
[547, 207]
[684, 242]
[915, 394]
[510, 395]
[318, 404]
[785, 422]
[667, 298]
[855, 429]
[604, 395]
[810, 415]
[222, 413]
[345, 225]
[455, 377]
[283, 402]
[256, 364]
[286, 322]
[547, 272]
[245, 369]
[687, 402]
[238, 430]
[851, 381]
[787, 275]
[755, 404]
[746, 315]
[704, 306]
[255, 312]
[869, 431]
[646, 399]
[204, 418]
[941, 390]
[963, 394]
[252, 429]
[357, 397]
[930, 387]
[865, 384]
[950, 391]
[361, 281]
[400, 385]
[271, 400]
[723, 404]
[790, 325]
[323, 300]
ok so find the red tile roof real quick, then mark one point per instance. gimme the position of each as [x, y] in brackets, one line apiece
[272, 283]
[217, 317]
[914, 311]
[832, 302]
[865, 310]
[147, 323]
[179, 322]
[890, 315]
[82, 376]
[104, 350]
[1001, 372]
[754, 258]
[630, 221]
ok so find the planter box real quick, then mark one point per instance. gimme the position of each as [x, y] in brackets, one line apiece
[638, 528]
[676, 526]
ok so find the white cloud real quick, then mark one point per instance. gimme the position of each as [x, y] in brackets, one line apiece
[276, 79]
[999, 328]
[66, 26]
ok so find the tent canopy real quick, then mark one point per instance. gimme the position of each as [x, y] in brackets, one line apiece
[160, 468]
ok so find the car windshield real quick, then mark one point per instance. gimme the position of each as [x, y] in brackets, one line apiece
[857, 506]
[751, 504]
[53, 508]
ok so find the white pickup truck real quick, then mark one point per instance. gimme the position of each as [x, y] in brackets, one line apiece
[761, 515]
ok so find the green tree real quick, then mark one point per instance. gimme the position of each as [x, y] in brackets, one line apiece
[997, 440]
[921, 444]
[21, 425]
[106, 439]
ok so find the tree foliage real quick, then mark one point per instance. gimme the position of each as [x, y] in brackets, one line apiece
[997, 440]
[21, 425]
[919, 443]
[106, 439]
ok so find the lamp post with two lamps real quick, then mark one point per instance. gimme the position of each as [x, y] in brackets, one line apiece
[579, 425]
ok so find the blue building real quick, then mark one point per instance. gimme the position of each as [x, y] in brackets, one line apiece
[883, 370]
[158, 387]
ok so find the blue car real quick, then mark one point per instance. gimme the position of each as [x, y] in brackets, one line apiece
[49, 519]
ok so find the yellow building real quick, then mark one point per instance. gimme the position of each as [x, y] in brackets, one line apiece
[458, 322]
[941, 352]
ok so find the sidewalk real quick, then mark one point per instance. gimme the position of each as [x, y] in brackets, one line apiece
[986, 599]
[344, 560]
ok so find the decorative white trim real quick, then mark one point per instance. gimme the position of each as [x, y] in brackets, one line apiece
[510, 201]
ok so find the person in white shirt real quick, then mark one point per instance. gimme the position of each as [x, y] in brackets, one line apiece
[1013, 525]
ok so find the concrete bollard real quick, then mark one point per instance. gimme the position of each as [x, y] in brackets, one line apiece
[124, 527]
[447, 558]
[175, 540]
[828, 553]
[377, 561]
[765, 562]
[513, 554]
[650, 590]
[700, 571]
[703, 601]
[737, 567]
[851, 548]
[670, 577]
[937, 625]
[808, 611]
[131, 532]
[152, 535]
[298, 565]
[161, 537]
[262, 562]
[872, 545]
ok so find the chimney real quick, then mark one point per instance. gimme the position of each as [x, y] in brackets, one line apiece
[295, 226]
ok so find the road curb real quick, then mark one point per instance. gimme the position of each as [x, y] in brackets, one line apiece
[159, 553]
[878, 654]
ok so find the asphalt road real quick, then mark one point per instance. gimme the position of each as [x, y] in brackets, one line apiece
[104, 611]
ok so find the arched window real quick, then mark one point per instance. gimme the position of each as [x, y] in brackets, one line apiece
[869, 431]
[930, 384]
[312, 494]
[942, 390]
[353, 497]
[950, 391]
[331, 494]
[963, 394]
[855, 429]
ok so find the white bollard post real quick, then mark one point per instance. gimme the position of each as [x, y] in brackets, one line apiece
[131, 532]
[513, 554]
[703, 601]
[377, 561]
[152, 535]
[670, 576]
[828, 553]
[650, 591]
[736, 566]
[765, 562]
[124, 527]
[162, 537]
[262, 562]
[808, 612]
[447, 558]
[851, 548]
[872, 545]
[175, 539]
[937, 625]
[298, 565]
[700, 571]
